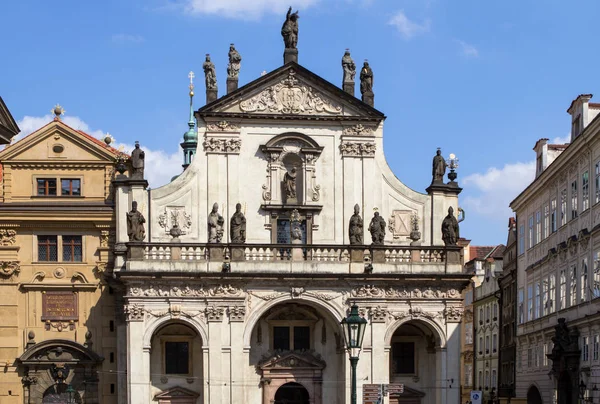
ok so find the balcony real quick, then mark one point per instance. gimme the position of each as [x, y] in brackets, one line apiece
[278, 257]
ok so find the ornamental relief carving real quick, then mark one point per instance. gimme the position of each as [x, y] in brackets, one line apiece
[290, 96]
[214, 313]
[8, 236]
[416, 313]
[453, 314]
[356, 149]
[185, 290]
[399, 223]
[371, 291]
[236, 313]
[358, 130]
[175, 216]
[8, 269]
[134, 312]
[219, 145]
[222, 126]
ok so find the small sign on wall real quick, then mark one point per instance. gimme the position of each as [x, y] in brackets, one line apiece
[59, 306]
[476, 397]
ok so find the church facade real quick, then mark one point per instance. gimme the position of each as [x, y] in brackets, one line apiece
[236, 274]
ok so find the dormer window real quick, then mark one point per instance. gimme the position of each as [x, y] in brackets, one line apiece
[576, 126]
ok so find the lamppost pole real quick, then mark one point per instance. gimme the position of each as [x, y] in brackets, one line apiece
[353, 363]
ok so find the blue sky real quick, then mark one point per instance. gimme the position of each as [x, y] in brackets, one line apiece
[480, 79]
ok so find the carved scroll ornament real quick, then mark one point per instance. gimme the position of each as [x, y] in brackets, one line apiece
[218, 145]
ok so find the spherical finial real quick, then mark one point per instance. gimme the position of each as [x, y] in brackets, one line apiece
[31, 335]
[58, 111]
[108, 139]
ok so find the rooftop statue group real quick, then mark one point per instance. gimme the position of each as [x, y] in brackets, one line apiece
[376, 228]
[237, 226]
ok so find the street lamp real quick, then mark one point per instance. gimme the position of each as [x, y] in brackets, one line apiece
[354, 330]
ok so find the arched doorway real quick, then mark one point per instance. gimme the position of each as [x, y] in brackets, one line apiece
[291, 393]
[534, 396]
[61, 394]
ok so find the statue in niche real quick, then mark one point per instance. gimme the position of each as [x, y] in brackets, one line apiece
[237, 225]
[439, 167]
[138, 158]
[135, 224]
[295, 227]
[235, 59]
[289, 185]
[366, 79]
[377, 229]
[355, 229]
[289, 30]
[450, 231]
[349, 67]
[210, 74]
[215, 225]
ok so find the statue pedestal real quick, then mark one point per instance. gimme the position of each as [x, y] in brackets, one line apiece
[348, 87]
[232, 85]
[290, 55]
[237, 254]
[215, 253]
[291, 201]
[378, 256]
[368, 98]
[211, 95]
[357, 254]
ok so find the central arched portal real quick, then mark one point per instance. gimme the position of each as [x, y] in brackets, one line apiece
[61, 394]
[291, 393]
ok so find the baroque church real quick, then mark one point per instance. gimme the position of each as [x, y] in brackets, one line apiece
[237, 274]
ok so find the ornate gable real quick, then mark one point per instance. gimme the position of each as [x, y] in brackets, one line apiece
[292, 91]
[176, 393]
[292, 359]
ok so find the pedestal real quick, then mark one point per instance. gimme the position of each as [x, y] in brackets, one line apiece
[290, 55]
[232, 85]
[237, 254]
[369, 98]
[378, 256]
[348, 87]
[215, 253]
[211, 95]
[357, 254]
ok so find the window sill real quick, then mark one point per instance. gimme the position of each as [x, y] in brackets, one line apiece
[57, 196]
[59, 263]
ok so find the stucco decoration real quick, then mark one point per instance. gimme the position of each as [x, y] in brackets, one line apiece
[358, 149]
[222, 126]
[185, 290]
[8, 236]
[175, 216]
[8, 269]
[358, 130]
[236, 313]
[215, 313]
[399, 223]
[134, 312]
[453, 314]
[372, 291]
[219, 145]
[379, 314]
[290, 96]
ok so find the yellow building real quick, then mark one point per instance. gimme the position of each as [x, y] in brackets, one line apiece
[57, 310]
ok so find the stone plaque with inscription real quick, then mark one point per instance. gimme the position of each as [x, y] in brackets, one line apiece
[58, 306]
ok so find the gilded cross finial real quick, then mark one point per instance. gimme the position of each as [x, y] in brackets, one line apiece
[57, 111]
[191, 76]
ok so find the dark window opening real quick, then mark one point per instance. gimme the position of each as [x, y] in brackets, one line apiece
[70, 187]
[403, 355]
[177, 358]
[111, 326]
[281, 338]
[301, 338]
[46, 186]
[47, 248]
[112, 357]
[72, 248]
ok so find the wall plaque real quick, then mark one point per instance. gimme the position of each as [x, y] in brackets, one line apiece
[59, 306]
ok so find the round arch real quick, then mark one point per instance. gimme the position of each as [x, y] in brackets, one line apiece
[533, 395]
[157, 323]
[293, 136]
[333, 312]
[432, 325]
[296, 393]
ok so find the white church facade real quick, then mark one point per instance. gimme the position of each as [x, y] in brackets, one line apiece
[242, 304]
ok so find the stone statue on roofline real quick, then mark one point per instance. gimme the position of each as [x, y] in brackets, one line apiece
[377, 229]
[349, 67]
[235, 59]
[289, 30]
[438, 167]
[237, 225]
[355, 228]
[138, 158]
[135, 224]
[210, 74]
[215, 225]
[450, 230]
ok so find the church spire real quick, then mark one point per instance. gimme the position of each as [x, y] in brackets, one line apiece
[190, 138]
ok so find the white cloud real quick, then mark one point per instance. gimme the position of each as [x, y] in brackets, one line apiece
[160, 165]
[467, 50]
[562, 140]
[491, 192]
[408, 28]
[127, 38]
[244, 9]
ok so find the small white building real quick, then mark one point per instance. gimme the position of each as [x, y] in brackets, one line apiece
[558, 267]
[259, 321]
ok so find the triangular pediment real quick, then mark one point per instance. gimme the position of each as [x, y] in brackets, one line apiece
[176, 392]
[8, 126]
[291, 91]
[293, 359]
[57, 141]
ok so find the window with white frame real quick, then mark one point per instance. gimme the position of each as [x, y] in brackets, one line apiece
[563, 207]
[597, 183]
[562, 303]
[480, 378]
[487, 344]
[544, 353]
[546, 307]
[583, 283]
[573, 285]
[487, 379]
[480, 345]
[529, 357]
[495, 312]
[585, 191]
[585, 349]
[596, 346]
[529, 302]
[494, 378]
[520, 307]
[536, 356]
[537, 300]
[530, 241]
[521, 239]
[596, 275]
[546, 229]
[574, 204]
[487, 314]
[494, 342]
[538, 226]
[551, 293]
[553, 221]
